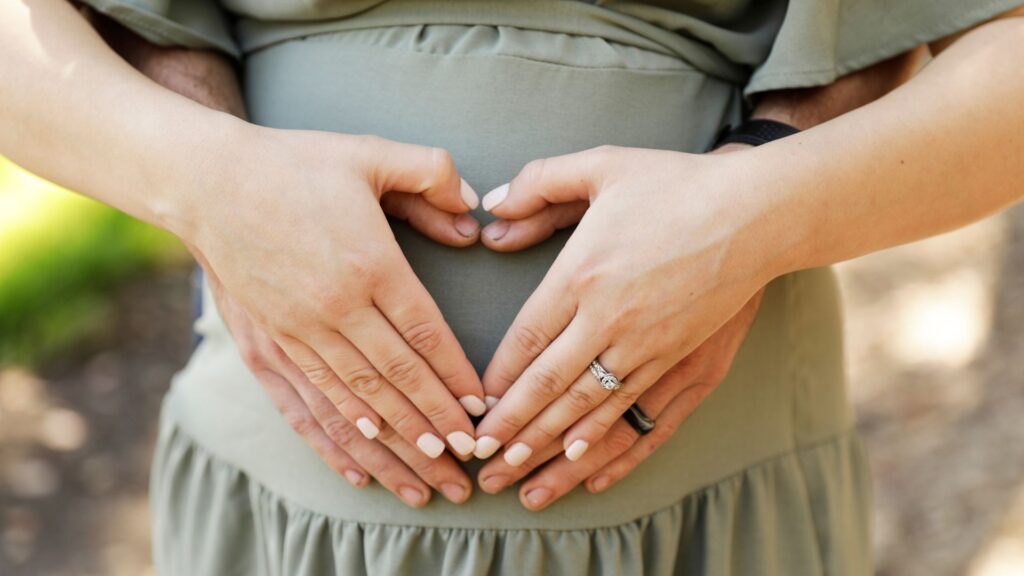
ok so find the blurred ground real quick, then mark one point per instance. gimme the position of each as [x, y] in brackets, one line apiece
[935, 341]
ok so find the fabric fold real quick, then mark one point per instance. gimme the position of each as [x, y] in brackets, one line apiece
[760, 521]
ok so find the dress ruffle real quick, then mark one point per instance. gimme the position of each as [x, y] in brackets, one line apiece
[212, 519]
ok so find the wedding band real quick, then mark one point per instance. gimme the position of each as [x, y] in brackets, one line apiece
[639, 421]
[608, 380]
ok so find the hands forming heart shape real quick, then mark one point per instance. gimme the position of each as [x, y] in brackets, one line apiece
[660, 282]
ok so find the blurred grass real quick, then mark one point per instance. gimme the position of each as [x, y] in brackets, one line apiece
[61, 256]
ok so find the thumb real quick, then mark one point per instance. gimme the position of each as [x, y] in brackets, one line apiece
[541, 183]
[414, 169]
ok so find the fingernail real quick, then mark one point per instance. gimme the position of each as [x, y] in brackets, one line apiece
[430, 445]
[367, 427]
[576, 449]
[462, 443]
[538, 497]
[453, 492]
[517, 454]
[466, 225]
[495, 197]
[600, 483]
[494, 484]
[469, 195]
[473, 405]
[486, 446]
[496, 230]
[412, 496]
[355, 477]
[491, 401]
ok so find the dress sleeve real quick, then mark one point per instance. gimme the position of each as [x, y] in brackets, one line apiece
[188, 23]
[821, 40]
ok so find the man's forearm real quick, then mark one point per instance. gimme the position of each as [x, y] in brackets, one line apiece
[205, 76]
[807, 107]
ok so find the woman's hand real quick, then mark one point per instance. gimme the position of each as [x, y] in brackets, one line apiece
[339, 443]
[670, 401]
[297, 236]
[669, 249]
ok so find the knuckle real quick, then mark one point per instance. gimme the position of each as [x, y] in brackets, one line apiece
[424, 337]
[533, 172]
[364, 381]
[319, 374]
[547, 383]
[340, 432]
[531, 342]
[401, 370]
[580, 400]
[301, 422]
[434, 411]
[620, 439]
[511, 422]
[251, 355]
[402, 421]
[627, 396]
[426, 467]
[545, 430]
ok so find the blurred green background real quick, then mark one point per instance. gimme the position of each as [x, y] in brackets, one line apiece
[61, 255]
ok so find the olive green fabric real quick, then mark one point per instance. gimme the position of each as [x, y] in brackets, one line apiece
[766, 45]
[766, 477]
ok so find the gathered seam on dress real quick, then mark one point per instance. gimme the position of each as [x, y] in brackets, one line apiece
[299, 510]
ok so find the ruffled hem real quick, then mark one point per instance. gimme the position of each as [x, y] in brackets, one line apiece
[805, 512]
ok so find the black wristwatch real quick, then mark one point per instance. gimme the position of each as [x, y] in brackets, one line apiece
[753, 132]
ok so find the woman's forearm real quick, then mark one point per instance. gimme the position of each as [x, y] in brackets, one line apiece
[942, 151]
[74, 112]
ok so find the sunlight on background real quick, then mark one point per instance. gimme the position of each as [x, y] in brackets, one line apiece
[944, 321]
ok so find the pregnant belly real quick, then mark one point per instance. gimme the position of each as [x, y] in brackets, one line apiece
[495, 107]
[496, 98]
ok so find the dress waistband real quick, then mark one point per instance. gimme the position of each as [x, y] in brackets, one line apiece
[557, 17]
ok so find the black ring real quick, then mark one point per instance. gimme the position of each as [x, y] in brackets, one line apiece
[639, 421]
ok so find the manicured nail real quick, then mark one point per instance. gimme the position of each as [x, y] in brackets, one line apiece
[495, 197]
[600, 483]
[367, 427]
[538, 497]
[412, 496]
[486, 446]
[576, 449]
[430, 445]
[496, 230]
[453, 492]
[491, 401]
[494, 484]
[462, 443]
[469, 195]
[517, 454]
[473, 405]
[466, 225]
[355, 477]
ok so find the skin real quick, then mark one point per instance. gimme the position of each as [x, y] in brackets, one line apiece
[745, 217]
[210, 79]
[44, 64]
[606, 459]
[362, 330]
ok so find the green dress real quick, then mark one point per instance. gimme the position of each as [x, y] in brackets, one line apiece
[766, 477]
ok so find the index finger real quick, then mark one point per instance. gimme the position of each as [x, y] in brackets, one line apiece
[415, 316]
